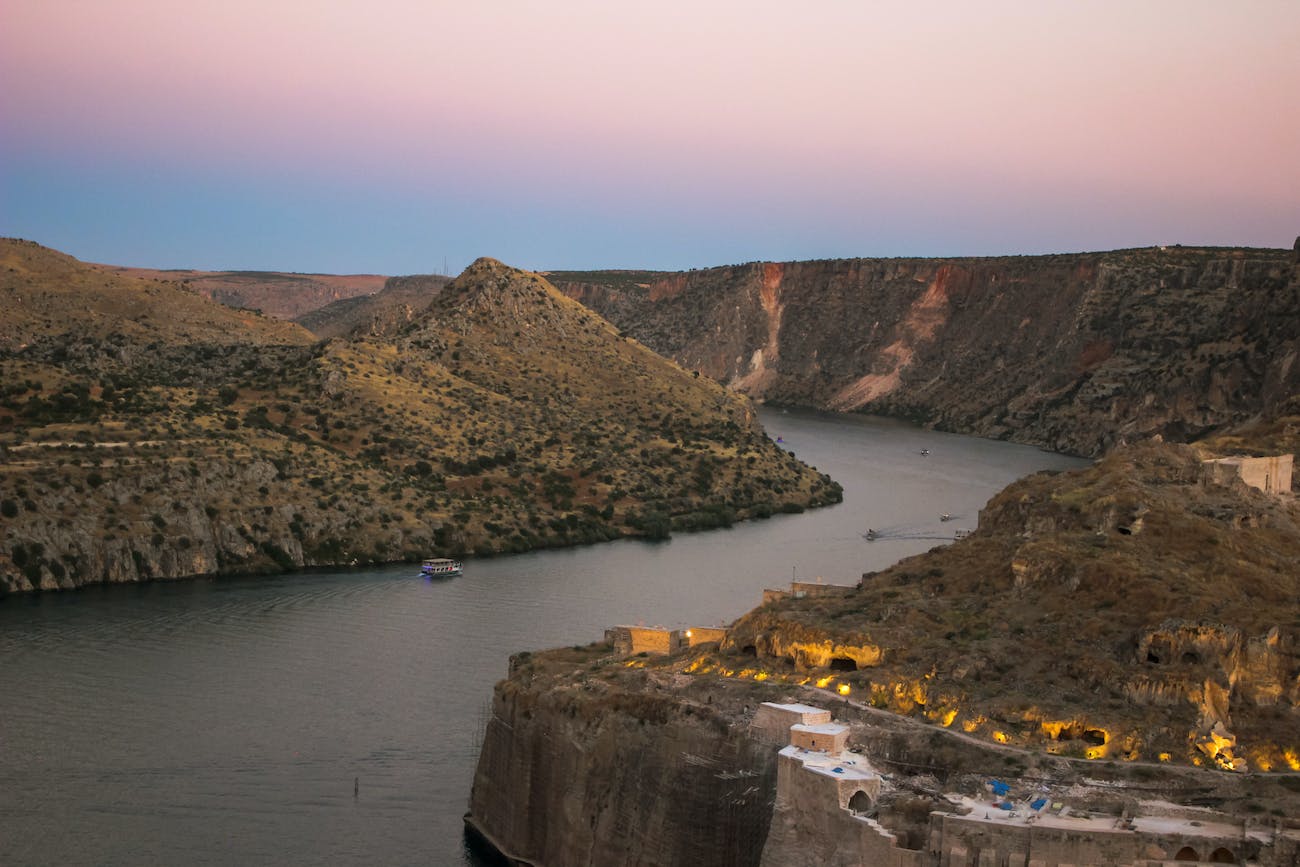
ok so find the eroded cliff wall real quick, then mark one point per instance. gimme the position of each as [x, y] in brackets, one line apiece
[1074, 352]
[582, 772]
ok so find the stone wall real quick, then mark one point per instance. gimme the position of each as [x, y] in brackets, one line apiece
[1271, 474]
[704, 635]
[629, 640]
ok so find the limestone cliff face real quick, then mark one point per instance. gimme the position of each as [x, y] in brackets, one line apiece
[1139, 612]
[1074, 352]
[585, 773]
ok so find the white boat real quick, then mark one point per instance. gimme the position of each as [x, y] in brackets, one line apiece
[440, 567]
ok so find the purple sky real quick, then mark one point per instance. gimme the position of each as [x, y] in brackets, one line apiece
[391, 136]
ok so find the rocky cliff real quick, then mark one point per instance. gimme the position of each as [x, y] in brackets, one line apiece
[606, 770]
[1141, 612]
[1073, 352]
[149, 433]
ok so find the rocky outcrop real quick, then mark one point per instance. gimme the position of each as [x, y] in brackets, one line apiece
[589, 772]
[383, 314]
[1139, 611]
[1073, 352]
[149, 433]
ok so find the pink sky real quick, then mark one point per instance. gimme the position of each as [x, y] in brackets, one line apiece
[862, 125]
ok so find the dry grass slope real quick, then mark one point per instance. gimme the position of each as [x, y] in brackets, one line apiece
[150, 433]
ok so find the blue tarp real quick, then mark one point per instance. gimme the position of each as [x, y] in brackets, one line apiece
[1038, 804]
[1005, 805]
[999, 788]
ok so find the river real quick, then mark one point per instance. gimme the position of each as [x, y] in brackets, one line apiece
[334, 717]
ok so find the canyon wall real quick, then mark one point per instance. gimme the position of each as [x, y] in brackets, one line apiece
[1074, 352]
[582, 772]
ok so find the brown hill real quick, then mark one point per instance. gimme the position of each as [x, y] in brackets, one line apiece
[384, 313]
[1074, 352]
[221, 441]
[1131, 610]
[280, 294]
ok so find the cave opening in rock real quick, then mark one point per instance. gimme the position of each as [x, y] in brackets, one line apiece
[860, 802]
[1191, 658]
[1125, 531]
[842, 663]
[1096, 737]
[1222, 856]
[749, 650]
[1152, 656]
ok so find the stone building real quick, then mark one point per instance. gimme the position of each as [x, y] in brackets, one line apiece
[1272, 474]
[629, 640]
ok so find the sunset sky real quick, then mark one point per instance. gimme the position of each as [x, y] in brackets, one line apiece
[392, 135]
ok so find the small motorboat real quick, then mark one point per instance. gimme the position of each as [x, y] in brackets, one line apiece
[925, 451]
[945, 517]
[870, 535]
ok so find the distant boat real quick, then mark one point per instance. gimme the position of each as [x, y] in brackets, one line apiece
[945, 517]
[441, 567]
[870, 535]
[925, 451]
[778, 439]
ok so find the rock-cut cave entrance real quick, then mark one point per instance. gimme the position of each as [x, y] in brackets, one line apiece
[860, 802]
[842, 663]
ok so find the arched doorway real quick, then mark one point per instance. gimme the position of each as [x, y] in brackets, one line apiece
[860, 802]
[1222, 856]
[1187, 853]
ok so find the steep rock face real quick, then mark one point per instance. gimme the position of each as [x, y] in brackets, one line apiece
[585, 773]
[1139, 611]
[1074, 352]
[149, 433]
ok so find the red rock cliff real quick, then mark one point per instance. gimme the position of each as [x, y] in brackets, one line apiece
[1073, 352]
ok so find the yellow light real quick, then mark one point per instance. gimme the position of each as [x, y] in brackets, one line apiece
[1092, 754]
[1000, 737]
[762, 675]
[823, 682]
[1164, 757]
[688, 633]
[843, 689]
[946, 718]
[1292, 759]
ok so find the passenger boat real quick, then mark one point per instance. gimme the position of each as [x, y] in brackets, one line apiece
[440, 567]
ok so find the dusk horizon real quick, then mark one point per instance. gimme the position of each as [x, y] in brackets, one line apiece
[336, 140]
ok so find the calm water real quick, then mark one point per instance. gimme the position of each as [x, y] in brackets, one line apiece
[224, 722]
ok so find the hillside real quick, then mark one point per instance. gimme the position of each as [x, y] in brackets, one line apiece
[279, 294]
[1073, 352]
[150, 433]
[384, 313]
[1139, 611]
[1121, 642]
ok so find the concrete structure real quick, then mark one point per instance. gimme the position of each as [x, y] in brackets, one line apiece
[1272, 475]
[1029, 839]
[827, 737]
[704, 635]
[826, 800]
[772, 721]
[802, 589]
[629, 640]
